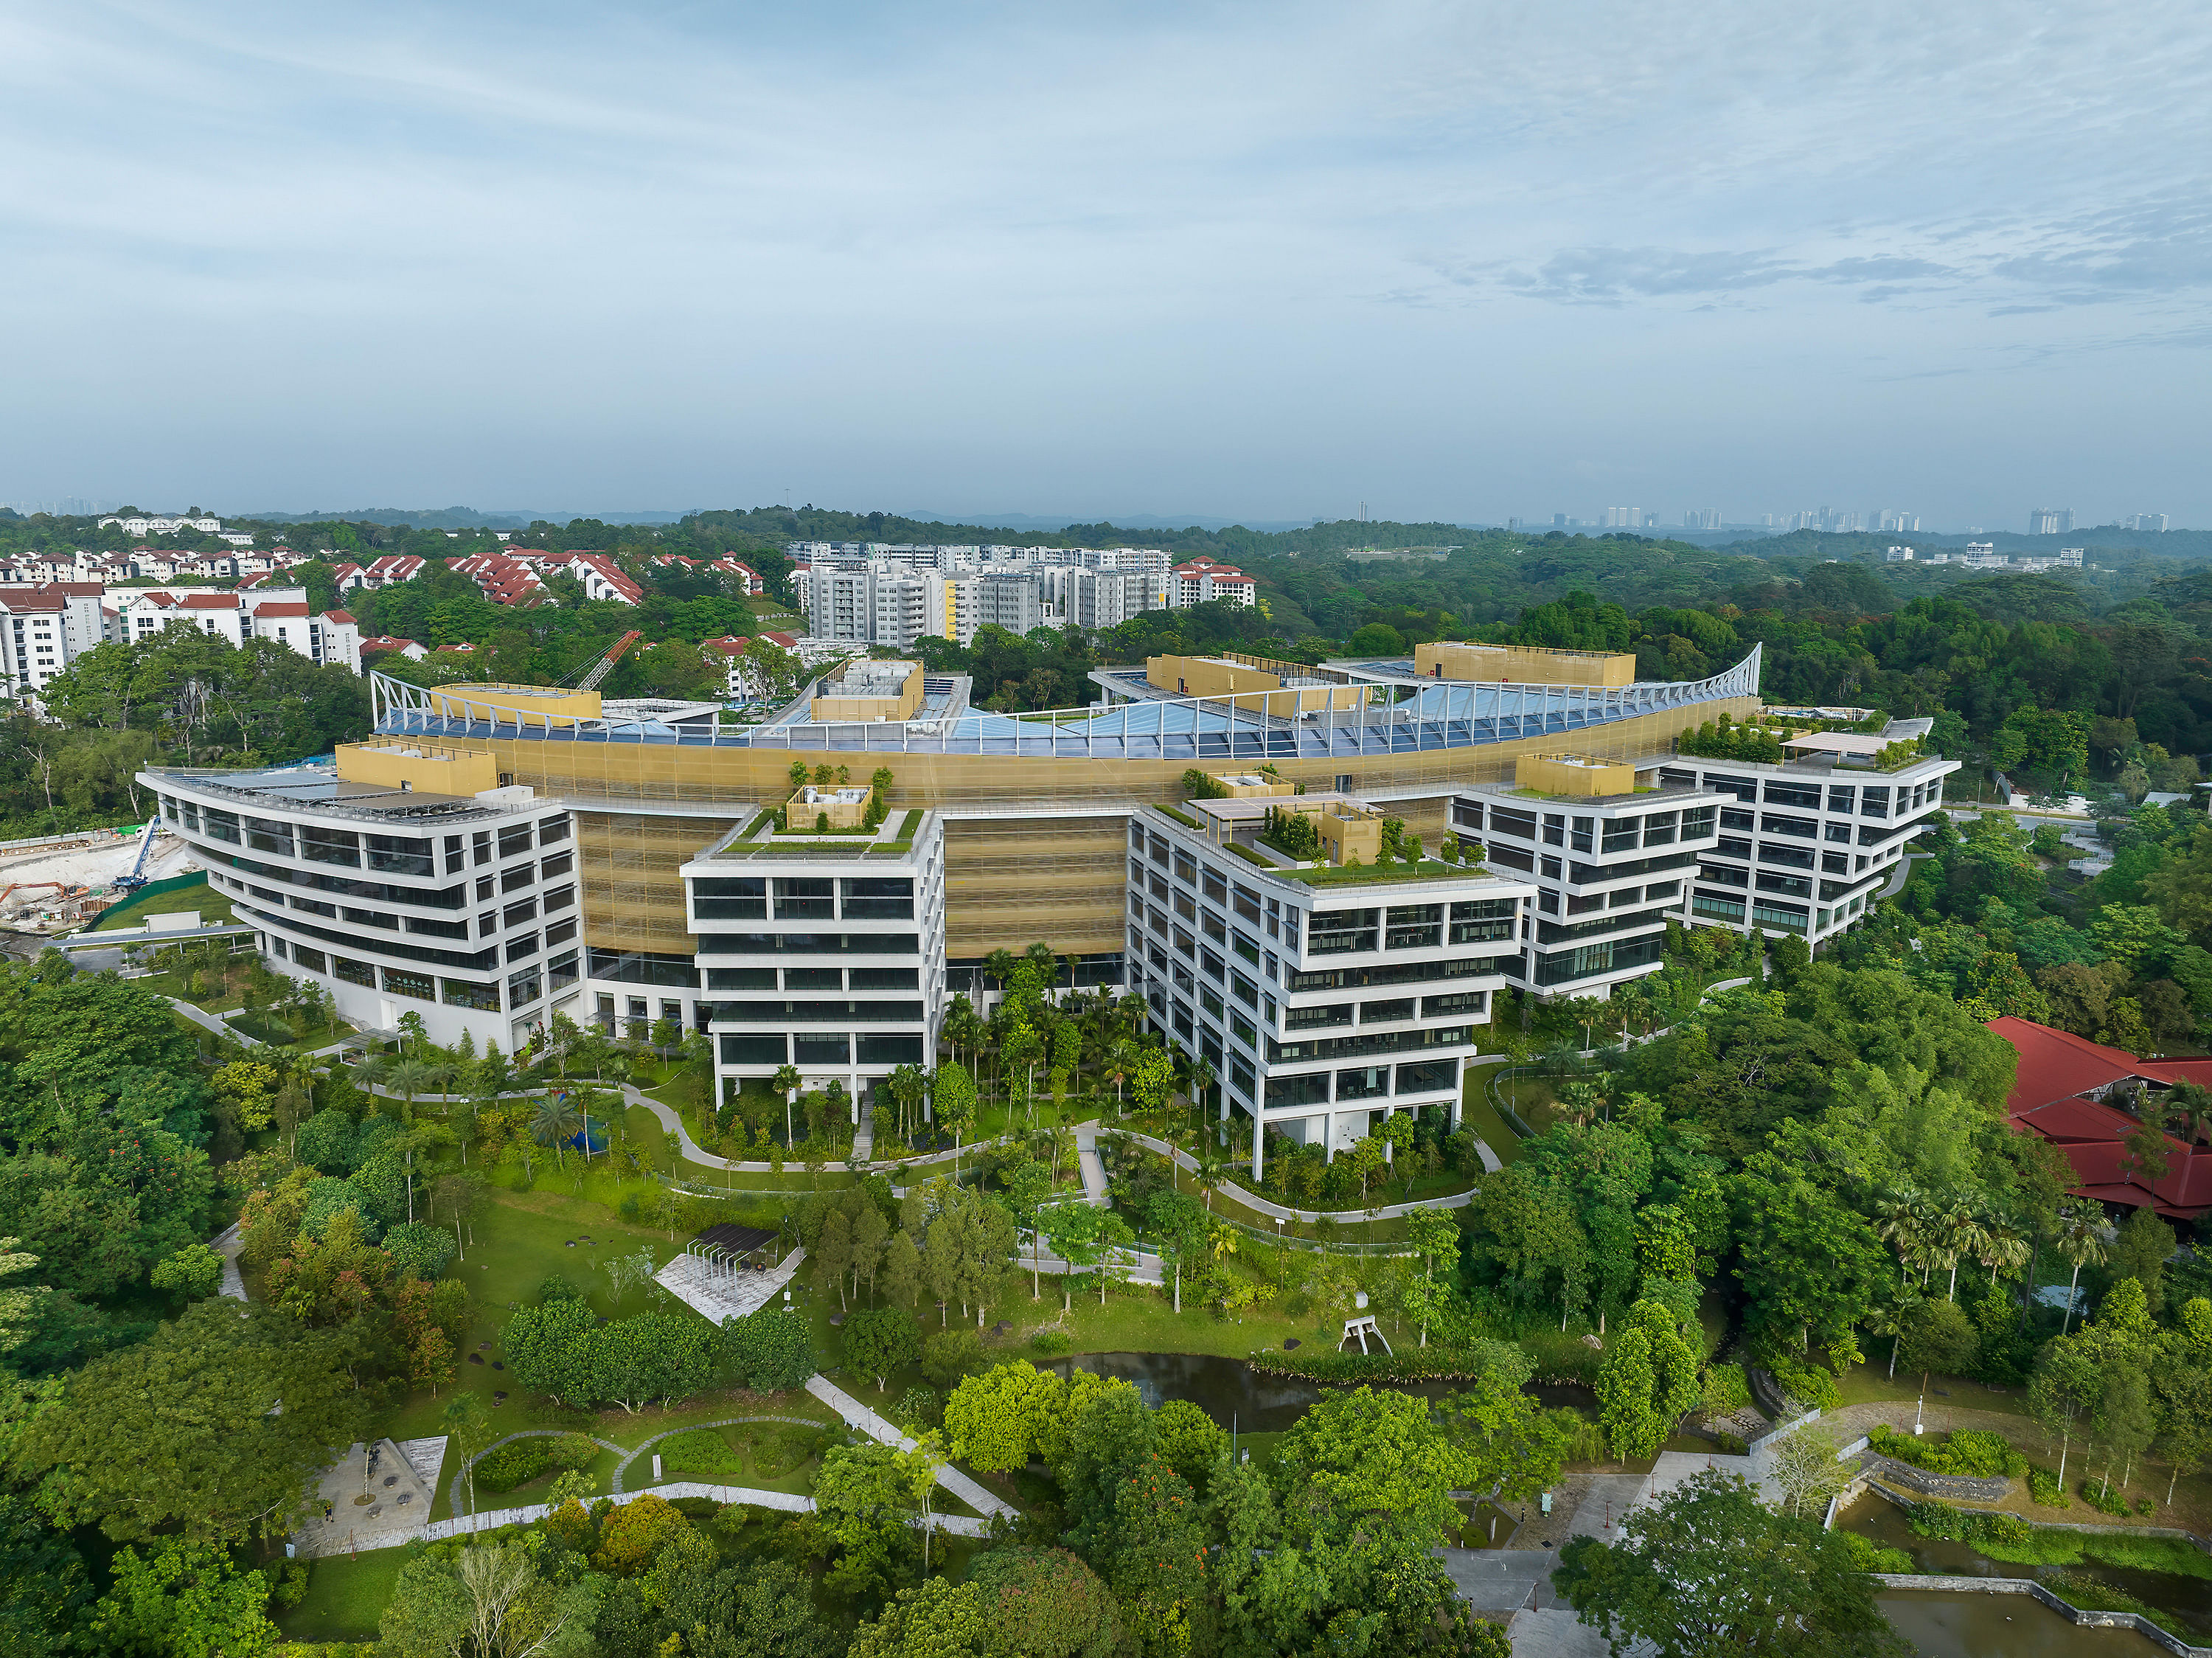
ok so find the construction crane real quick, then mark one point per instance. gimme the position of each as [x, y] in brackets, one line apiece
[606, 663]
[137, 878]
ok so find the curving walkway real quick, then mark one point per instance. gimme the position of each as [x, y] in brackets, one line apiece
[1252, 1200]
[622, 1469]
[857, 1415]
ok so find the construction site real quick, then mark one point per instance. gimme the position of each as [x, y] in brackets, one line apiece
[57, 883]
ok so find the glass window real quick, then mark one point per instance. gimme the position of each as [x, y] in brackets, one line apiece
[1244, 989]
[1839, 797]
[319, 844]
[313, 959]
[1375, 1013]
[1216, 887]
[1309, 1090]
[1621, 833]
[517, 948]
[754, 1050]
[1698, 822]
[562, 970]
[1427, 1075]
[1794, 793]
[804, 899]
[1454, 1004]
[1581, 830]
[463, 993]
[513, 837]
[1659, 829]
[516, 879]
[222, 826]
[1368, 1082]
[552, 829]
[353, 972]
[1873, 802]
[401, 855]
[515, 914]
[889, 1048]
[1506, 821]
[812, 1048]
[1555, 829]
[421, 986]
[1245, 901]
[718, 898]
[814, 979]
[267, 835]
[885, 978]
[1335, 932]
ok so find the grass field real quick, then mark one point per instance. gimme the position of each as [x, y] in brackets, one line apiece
[1479, 1114]
[344, 1598]
[212, 906]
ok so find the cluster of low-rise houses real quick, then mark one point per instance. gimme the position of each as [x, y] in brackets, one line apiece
[1983, 555]
[886, 594]
[54, 606]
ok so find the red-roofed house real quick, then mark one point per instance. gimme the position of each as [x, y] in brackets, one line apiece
[384, 643]
[1203, 580]
[603, 578]
[2083, 1098]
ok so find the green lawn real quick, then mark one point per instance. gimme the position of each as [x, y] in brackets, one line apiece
[1478, 1114]
[344, 1598]
[212, 906]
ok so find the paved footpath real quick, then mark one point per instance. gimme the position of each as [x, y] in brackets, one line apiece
[857, 1415]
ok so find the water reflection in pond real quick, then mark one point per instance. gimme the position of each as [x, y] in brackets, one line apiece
[2002, 1626]
[1224, 1387]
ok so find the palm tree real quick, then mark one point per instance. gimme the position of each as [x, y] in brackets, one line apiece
[558, 1119]
[2079, 1235]
[1121, 1059]
[1581, 1101]
[1890, 1316]
[786, 1082]
[2003, 1246]
[1962, 1233]
[1899, 1221]
[370, 1069]
[1202, 1077]
[410, 1077]
[442, 1074]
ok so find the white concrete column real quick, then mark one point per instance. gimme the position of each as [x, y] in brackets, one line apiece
[1329, 1136]
[1259, 1141]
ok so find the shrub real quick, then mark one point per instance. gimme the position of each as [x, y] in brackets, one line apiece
[2099, 1495]
[1867, 1555]
[700, 1451]
[1983, 1528]
[572, 1451]
[1050, 1342]
[918, 1408]
[516, 1463]
[1967, 1453]
[555, 1288]
[783, 1451]
[1807, 1384]
[1726, 1388]
[1408, 1364]
[2043, 1485]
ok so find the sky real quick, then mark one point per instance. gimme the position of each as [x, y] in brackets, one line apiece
[1268, 261]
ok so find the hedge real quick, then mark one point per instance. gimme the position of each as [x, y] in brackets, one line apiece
[1966, 1452]
[700, 1450]
[1407, 1364]
[516, 1463]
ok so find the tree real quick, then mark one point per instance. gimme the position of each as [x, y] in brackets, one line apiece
[184, 1598]
[182, 1428]
[467, 1422]
[2078, 1235]
[1045, 1603]
[1648, 1381]
[1938, 1335]
[1434, 1232]
[193, 1273]
[1709, 1568]
[1806, 1468]
[865, 1500]
[877, 1343]
[2066, 1383]
[935, 1620]
[559, 1120]
[1508, 1440]
[993, 1421]
[769, 1351]
[1364, 1457]
[952, 1092]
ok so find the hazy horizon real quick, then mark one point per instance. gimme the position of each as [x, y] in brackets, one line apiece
[1458, 263]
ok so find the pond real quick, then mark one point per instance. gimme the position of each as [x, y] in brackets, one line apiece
[1235, 1395]
[1945, 1625]
[2187, 1599]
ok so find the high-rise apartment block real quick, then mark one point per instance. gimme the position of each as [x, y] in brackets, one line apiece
[2050, 521]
